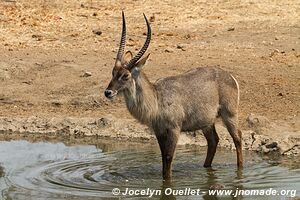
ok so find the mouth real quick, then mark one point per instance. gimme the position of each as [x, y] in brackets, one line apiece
[112, 96]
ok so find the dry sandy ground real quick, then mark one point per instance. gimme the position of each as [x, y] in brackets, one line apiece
[47, 46]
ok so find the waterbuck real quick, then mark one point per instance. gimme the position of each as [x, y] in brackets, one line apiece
[186, 102]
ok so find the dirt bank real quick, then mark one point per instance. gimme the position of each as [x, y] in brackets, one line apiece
[56, 60]
[262, 136]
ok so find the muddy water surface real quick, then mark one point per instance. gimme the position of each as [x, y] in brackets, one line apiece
[45, 170]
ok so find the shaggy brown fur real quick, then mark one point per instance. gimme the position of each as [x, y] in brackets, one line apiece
[187, 102]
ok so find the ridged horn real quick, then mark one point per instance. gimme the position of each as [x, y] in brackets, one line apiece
[144, 48]
[122, 41]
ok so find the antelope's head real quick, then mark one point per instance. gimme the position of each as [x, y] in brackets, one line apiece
[127, 67]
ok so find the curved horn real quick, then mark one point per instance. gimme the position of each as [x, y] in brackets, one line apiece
[144, 48]
[123, 40]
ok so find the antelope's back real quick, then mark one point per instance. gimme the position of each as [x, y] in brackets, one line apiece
[196, 96]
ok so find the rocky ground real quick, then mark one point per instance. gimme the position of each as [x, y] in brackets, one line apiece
[56, 60]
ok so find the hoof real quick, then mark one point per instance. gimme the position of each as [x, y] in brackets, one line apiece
[207, 165]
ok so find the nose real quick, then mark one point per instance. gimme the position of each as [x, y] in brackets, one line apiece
[107, 93]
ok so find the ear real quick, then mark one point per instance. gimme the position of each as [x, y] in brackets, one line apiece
[142, 62]
[127, 57]
[135, 71]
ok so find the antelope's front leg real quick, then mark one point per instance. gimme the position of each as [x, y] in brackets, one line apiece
[167, 142]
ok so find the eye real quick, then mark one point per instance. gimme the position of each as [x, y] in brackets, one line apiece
[125, 77]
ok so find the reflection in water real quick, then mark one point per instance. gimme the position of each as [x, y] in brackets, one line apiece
[212, 180]
[2, 173]
[55, 171]
[166, 185]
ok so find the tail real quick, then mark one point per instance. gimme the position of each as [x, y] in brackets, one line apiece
[238, 88]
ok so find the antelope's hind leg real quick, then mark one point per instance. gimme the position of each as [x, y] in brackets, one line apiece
[212, 139]
[230, 122]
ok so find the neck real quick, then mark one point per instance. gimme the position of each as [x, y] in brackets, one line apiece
[141, 99]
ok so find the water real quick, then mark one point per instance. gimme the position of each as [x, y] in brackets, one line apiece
[44, 170]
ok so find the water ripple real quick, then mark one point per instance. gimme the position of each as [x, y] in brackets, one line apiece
[64, 173]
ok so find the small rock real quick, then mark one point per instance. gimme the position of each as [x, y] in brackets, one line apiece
[256, 120]
[86, 74]
[169, 50]
[92, 123]
[37, 37]
[272, 145]
[169, 34]
[95, 14]
[181, 46]
[294, 151]
[187, 36]
[276, 38]
[259, 124]
[231, 29]
[74, 35]
[103, 122]
[280, 94]
[56, 103]
[65, 130]
[97, 31]
[152, 18]
[264, 149]
[29, 82]
[274, 52]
